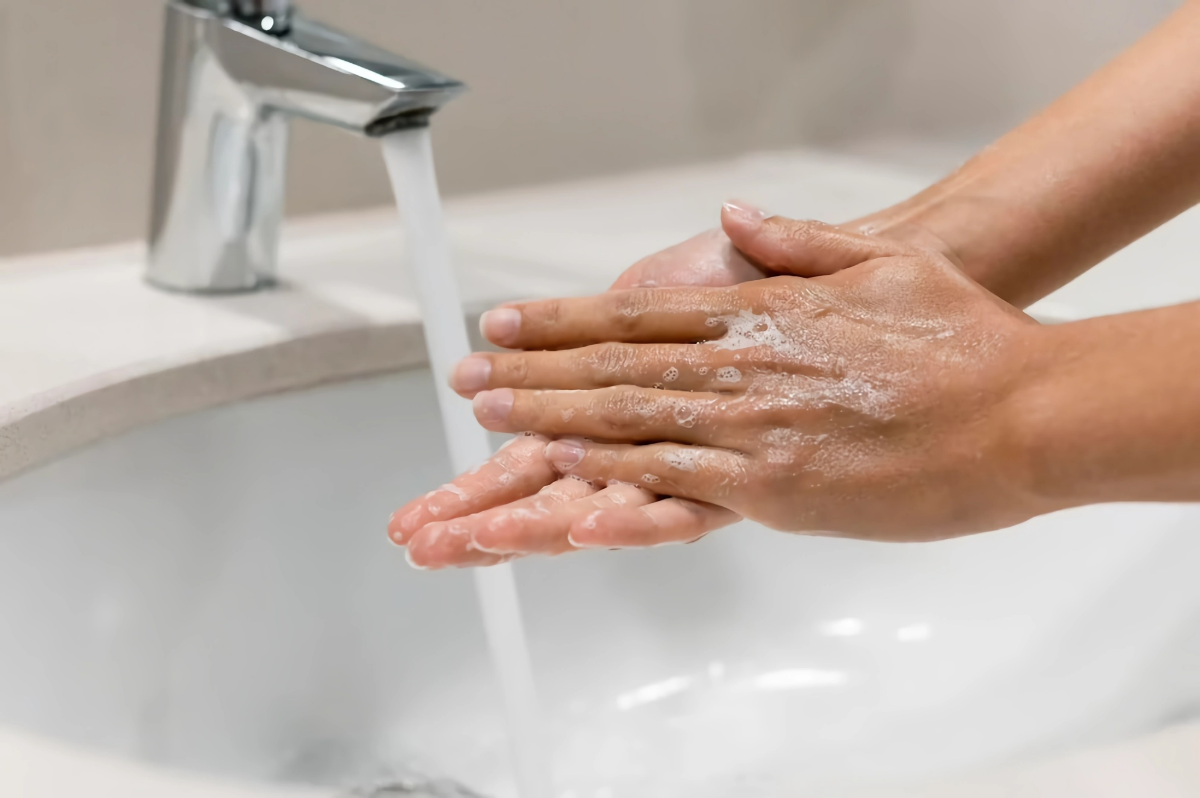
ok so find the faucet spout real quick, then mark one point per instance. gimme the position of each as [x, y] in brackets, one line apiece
[322, 74]
[234, 73]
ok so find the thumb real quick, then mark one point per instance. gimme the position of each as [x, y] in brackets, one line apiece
[707, 260]
[803, 248]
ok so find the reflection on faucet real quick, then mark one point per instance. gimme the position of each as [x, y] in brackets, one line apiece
[234, 72]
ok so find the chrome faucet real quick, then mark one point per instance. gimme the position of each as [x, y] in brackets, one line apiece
[234, 72]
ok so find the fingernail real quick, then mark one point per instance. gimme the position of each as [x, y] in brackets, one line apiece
[565, 454]
[745, 214]
[493, 407]
[471, 374]
[500, 326]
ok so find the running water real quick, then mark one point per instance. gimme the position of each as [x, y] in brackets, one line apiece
[409, 157]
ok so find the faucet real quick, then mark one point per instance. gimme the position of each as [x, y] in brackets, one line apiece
[233, 73]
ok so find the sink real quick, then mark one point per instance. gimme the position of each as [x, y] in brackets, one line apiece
[201, 599]
[215, 594]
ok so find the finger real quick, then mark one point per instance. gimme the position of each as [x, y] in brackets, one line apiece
[451, 544]
[646, 315]
[707, 259]
[804, 248]
[688, 472]
[624, 413]
[523, 532]
[678, 367]
[658, 524]
[447, 544]
[518, 470]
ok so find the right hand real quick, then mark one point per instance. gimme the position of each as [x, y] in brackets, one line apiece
[517, 495]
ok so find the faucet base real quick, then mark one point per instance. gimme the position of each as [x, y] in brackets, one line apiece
[263, 284]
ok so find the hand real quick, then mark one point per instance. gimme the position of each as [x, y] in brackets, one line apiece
[517, 487]
[438, 527]
[869, 403]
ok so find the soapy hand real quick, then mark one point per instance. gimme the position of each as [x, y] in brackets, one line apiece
[440, 528]
[837, 350]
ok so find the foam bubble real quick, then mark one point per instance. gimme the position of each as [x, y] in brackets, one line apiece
[685, 416]
[682, 459]
[729, 374]
[746, 330]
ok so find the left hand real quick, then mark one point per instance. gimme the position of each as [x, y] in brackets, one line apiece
[872, 403]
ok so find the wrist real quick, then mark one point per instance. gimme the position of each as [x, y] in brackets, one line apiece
[1030, 401]
[1108, 410]
[1033, 414]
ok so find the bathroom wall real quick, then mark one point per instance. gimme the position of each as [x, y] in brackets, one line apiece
[561, 89]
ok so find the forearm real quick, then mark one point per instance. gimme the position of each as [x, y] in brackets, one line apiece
[1104, 165]
[1112, 410]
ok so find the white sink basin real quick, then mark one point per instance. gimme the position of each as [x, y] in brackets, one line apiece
[215, 593]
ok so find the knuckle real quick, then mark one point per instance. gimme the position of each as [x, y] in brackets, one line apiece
[748, 291]
[809, 234]
[515, 369]
[776, 293]
[613, 412]
[625, 409]
[750, 294]
[741, 412]
[597, 463]
[533, 408]
[782, 291]
[828, 241]
[806, 233]
[521, 453]
[773, 415]
[765, 359]
[628, 306]
[550, 312]
[607, 363]
[599, 460]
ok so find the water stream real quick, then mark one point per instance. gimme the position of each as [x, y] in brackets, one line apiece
[409, 157]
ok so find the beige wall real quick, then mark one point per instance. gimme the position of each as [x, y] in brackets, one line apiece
[561, 88]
